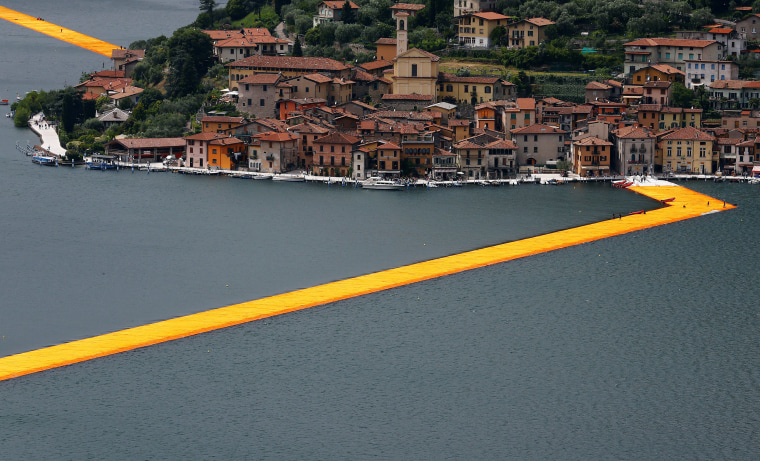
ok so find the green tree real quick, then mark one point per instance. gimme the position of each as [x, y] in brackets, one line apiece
[297, 51]
[236, 9]
[68, 112]
[21, 116]
[190, 56]
[347, 13]
[496, 34]
[207, 6]
[682, 96]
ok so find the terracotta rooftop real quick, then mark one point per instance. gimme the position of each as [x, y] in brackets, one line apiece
[374, 65]
[148, 143]
[318, 78]
[538, 128]
[666, 69]
[408, 6]
[277, 136]
[671, 42]
[689, 133]
[592, 141]
[337, 5]
[386, 41]
[597, 86]
[734, 84]
[489, 16]
[539, 21]
[289, 62]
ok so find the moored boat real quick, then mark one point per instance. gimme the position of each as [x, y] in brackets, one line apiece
[101, 162]
[382, 184]
[44, 159]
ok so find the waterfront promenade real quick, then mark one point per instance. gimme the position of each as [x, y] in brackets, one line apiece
[59, 32]
[49, 140]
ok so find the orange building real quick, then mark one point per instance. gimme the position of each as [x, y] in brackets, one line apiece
[332, 154]
[591, 156]
[389, 159]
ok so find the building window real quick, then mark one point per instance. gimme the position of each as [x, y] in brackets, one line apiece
[414, 70]
[261, 102]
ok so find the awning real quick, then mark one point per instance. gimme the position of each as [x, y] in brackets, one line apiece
[756, 169]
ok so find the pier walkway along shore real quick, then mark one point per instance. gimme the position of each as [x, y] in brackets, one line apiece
[679, 203]
[48, 136]
[59, 32]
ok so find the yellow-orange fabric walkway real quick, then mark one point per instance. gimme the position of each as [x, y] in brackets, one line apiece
[686, 204]
[61, 33]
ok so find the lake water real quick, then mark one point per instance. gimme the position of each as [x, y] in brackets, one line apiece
[642, 346]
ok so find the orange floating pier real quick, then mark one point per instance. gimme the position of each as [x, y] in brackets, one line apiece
[685, 204]
[59, 32]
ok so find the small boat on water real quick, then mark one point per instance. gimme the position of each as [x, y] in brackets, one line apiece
[101, 162]
[3, 102]
[45, 159]
[382, 184]
[668, 200]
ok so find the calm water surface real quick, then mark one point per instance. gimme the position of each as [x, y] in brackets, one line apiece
[642, 346]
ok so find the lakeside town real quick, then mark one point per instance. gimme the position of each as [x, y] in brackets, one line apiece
[400, 115]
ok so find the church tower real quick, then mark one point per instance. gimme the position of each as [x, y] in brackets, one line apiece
[402, 23]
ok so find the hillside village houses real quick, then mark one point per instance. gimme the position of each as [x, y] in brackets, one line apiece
[400, 115]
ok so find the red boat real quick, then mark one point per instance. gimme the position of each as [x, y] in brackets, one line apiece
[668, 200]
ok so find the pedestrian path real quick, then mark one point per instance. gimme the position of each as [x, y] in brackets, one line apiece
[59, 32]
[48, 135]
[685, 204]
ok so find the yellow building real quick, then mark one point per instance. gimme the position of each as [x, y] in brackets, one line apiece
[658, 117]
[658, 72]
[475, 28]
[528, 32]
[687, 150]
[415, 71]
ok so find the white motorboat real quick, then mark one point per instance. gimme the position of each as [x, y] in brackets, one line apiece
[382, 184]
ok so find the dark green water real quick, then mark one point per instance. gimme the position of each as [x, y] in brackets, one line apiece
[642, 346]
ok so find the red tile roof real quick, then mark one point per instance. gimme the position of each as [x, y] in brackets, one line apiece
[386, 41]
[408, 6]
[538, 128]
[592, 141]
[671, 42]
[148, 143]
[289, 63]
[374, 65]
[540, 21]
[489, 16]
[337, 5]
[277, 136]
[689, 133]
